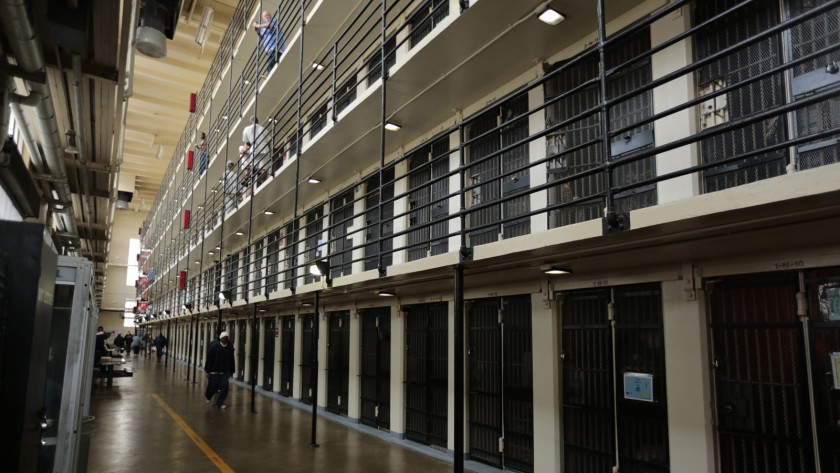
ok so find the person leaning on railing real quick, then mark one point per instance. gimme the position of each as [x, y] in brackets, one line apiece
[271, 38]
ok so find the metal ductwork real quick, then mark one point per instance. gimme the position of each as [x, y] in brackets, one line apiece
[158, 19]
[26, 49]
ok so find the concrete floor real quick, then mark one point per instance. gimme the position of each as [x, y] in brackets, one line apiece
[134, 433]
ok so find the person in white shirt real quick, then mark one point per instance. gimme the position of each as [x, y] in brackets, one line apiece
[255, 136]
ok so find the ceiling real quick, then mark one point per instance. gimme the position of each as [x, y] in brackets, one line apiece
[159, 106]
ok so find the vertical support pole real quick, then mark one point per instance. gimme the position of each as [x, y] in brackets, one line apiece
[195, 350]
[314, 369]
[189, 347]
[459, 369]
[168, 343]
[604, 114]
[298, 137]
[384, 74]
[254, 363]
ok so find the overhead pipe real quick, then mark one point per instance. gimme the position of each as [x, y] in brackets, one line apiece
[26, 49]
[34, 155]
[80, 141]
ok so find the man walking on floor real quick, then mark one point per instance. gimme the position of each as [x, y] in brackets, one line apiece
[219, 366]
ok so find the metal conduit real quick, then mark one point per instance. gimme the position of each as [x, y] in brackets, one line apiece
[26, 49]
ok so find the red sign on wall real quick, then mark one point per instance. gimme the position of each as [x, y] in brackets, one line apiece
[189, 160]
[186, 219]
[192, 102]
[182, 280]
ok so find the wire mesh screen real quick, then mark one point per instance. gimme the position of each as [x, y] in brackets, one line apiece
[372, 234]
[823, 289]
[761, 397]
[306, 359]
[588, 435]
[341, 218]
[338, 362]
[493, 131]
[640, 348]
[427, 166]
[376, 367]
[744, 101]
[426, 402]
[806, 38]
[287, 355]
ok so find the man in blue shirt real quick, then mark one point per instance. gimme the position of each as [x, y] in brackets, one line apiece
[271, 38]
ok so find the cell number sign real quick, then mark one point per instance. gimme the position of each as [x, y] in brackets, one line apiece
[638, 387]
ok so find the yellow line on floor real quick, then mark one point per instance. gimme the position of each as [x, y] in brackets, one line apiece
[213, 456]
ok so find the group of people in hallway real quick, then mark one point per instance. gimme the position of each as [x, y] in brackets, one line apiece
[127, 343]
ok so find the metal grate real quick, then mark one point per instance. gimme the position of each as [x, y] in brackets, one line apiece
[376, 367]
[287, 355]
[427, 166]
[815, 34]
[587, 382]
[341, 219]
[426, 402]
[640, 348]
[269, 334]
[314, 239]
[744, 101]
[587, 189]
[501, 382]
[761, 399]
[338, 362]
[306, 359]
[426, 17]
[498, 128]
[373, 189]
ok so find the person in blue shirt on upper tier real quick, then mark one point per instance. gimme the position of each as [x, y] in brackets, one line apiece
[271, 38]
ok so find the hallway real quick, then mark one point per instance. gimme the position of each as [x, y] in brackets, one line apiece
[135, 433]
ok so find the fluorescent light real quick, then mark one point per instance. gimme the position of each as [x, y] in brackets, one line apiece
[55, 194]
[269, 212]
[313, 180]
[224, 117]
[386, 293]
[555, 270]
[198, 262]
[210, 253]
[239, 233]
[317, 66]
[391, 126]
[247, 82]
[159, 152]
[551, 16]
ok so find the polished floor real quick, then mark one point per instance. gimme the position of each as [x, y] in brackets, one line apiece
[135, 432]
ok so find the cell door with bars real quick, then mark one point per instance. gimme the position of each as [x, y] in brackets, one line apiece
[338, 361]
[501, 408]
[576, 146]
[306, 359]
[376, 367]
[269, 333]
[426, 398]
[341, 219]
[427, 199]
[240, 350]
[489, 133]
[254, 353]
[372, 192]
[287, 354]
[315, 248]
[603, 426]
[763, 413]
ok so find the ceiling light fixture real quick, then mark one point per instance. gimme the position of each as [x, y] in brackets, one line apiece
[269, 212]
[159, 152]
[317, 66]
[555, 270]
[551, 16]
[384, 293]
[55, 194]
[210, 253]
[198, 262]
[238, 233]
[224, 117]
[313, 180]
[392, 126]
